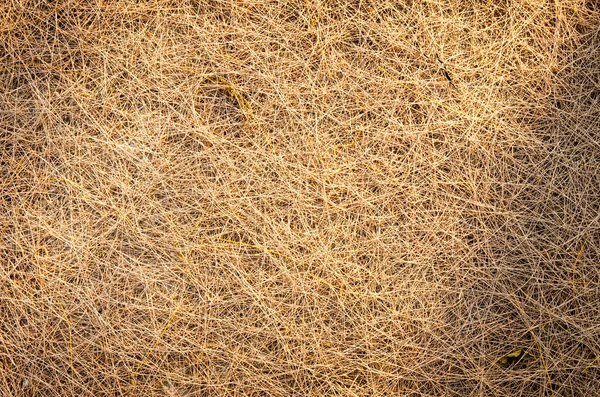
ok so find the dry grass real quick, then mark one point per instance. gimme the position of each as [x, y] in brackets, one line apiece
[268, 198]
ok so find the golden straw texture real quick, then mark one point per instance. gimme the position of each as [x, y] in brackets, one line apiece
[300, 198]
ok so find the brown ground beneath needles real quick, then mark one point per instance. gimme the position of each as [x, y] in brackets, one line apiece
[311, 198]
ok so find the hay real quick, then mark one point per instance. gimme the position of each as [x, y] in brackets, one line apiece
[218, 197]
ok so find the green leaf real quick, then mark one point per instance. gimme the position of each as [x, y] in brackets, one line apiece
[514, 357]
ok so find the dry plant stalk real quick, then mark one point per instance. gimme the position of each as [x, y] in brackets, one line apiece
[319, 198]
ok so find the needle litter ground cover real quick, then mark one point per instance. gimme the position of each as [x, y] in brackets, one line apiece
[269, 198]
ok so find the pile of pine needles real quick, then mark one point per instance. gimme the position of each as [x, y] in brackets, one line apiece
[318, 198]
